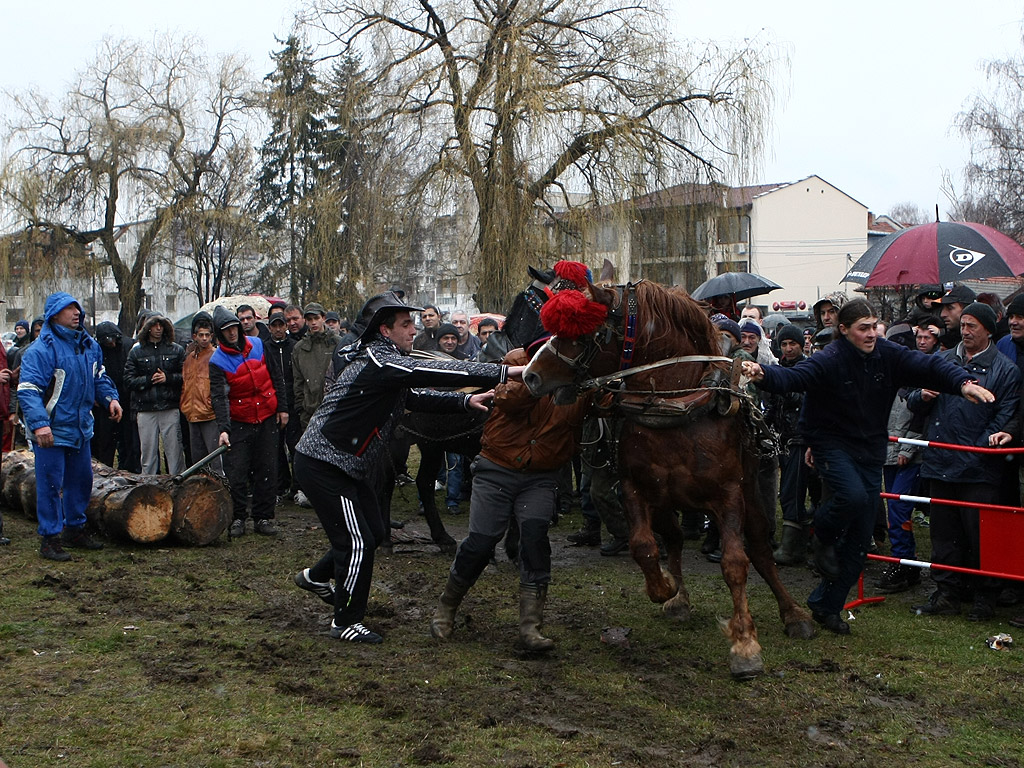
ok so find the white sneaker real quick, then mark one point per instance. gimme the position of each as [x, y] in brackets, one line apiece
[439, 486]
[301, 500]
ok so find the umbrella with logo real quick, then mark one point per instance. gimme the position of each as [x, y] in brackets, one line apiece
[741, 285]
[937, 253]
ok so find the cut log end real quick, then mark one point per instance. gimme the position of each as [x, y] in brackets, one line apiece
[202, 510]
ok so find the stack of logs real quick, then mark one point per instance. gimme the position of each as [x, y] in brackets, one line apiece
[141, 508]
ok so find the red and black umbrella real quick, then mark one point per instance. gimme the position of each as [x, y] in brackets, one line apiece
[937, 253]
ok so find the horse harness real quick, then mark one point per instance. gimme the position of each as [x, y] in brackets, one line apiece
[721, 391]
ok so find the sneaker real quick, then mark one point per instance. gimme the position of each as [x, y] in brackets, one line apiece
[51, 549]
[438, 485]
[355, 633]
[4, 541]
[921, 519]
[264, 527]
[714, 556]
[939, 604]
[831, 622]
[898, 578]
[302, 500]
[404, 478]
[396, 525]
[453, 509]
[237, 529]
[75, 537]
[323, 590]
[614, 547]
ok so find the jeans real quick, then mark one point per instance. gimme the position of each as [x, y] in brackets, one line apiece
[846, 520]
[903, 481]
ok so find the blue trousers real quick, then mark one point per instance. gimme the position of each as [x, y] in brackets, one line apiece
[846, 520]
[904, 481]
[63, 487]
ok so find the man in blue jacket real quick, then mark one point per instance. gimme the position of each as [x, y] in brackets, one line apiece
[62, 375]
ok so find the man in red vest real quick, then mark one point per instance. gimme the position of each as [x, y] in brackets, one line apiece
[247, 390]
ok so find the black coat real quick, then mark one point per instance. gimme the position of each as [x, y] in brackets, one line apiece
[144, 359]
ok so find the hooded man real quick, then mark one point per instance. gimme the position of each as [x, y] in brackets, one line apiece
[249, 400]
[348, 440]
[111, 438]
[62, 376]
[153, 374]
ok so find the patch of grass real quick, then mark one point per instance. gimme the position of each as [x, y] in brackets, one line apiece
[210, 657]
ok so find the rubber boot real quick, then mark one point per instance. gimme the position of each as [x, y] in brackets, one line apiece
[531, 615]
[443, 623]
[793, 550]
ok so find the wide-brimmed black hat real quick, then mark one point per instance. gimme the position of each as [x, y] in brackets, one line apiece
[376, 308]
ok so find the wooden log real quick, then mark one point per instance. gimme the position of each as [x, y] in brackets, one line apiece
[141, 513]
[202, 510]
[141, 508]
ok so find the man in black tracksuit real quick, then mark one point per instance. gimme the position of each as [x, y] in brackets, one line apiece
[348, 440]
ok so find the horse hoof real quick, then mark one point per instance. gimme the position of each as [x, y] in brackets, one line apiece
[677, 609]
[745, 667]
[448, 546]
[800, 630]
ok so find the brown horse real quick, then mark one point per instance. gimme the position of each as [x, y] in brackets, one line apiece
[688, 442]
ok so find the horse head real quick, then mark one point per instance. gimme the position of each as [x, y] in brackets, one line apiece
[598, 330]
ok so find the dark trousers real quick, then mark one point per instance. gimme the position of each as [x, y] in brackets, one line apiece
[793, 485]
[498, 495]
[956, 537]
[846, 519]
[286, 441]
[251, 468]
[351, 518]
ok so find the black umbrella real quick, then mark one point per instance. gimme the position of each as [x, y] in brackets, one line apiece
[742, 285]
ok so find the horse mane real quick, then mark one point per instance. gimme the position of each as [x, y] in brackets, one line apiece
[670, 323]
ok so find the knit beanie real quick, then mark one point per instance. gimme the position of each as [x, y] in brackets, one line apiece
[790, 333]
[749, 326]
[723, 323]
[984, 314]
[1016, 306]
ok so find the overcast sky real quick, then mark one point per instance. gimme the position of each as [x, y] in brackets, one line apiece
[869, 98]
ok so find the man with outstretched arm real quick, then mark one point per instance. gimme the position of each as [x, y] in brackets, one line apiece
[347, 443]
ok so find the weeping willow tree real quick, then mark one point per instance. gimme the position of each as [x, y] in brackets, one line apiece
[131, 141]
[515, 99]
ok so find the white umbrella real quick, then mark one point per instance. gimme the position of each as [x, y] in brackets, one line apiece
[231, 303]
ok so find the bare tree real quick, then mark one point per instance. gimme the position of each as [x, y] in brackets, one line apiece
[514, 97]
[909, 214]
[217, 243]
[131, 142]
[994, 177]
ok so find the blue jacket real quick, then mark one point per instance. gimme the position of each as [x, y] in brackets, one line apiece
[850, 394]
[956, 420]
[66, 366]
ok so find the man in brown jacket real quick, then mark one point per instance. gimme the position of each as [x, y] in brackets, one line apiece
[196, 405]
[525, 442]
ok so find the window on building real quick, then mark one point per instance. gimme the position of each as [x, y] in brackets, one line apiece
[14, 314]
[732, 229]
[172, 302]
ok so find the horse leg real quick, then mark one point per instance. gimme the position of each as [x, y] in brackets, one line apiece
[745, 654]
[666, 524]
[431, 459]
[661, 585]
[795, 619]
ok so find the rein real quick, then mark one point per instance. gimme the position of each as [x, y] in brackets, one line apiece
[600, 381]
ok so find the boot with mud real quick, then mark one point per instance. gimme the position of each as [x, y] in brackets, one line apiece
[443, 623]
[587, 536]
[531, 616]
[793, 549]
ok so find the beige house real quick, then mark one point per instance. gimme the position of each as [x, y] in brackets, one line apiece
[803, 235]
